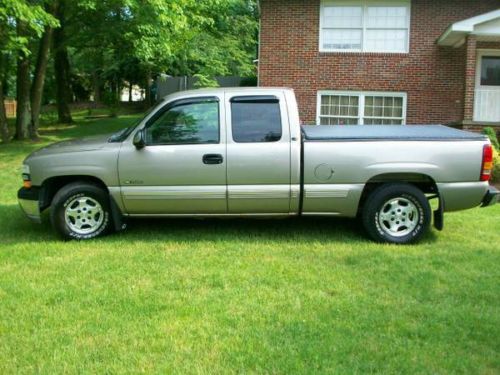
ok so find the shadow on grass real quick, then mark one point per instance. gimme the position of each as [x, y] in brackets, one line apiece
[18, 229]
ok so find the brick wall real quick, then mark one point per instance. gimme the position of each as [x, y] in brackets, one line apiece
[432, 76]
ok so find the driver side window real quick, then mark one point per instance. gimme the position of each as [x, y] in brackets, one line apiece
[186, 123]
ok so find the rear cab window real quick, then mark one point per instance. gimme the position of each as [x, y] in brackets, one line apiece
[256, 119]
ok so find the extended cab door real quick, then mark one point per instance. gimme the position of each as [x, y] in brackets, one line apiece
[182, 168]
[258, 153]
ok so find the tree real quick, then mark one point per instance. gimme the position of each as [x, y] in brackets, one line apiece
[23, 114]
[4, 128]
[39, 78]
[21, 22]
[61, 66]
[105, 45]
[136, 40]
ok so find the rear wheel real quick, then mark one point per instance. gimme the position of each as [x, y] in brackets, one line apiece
[81, 211]
[397, 213]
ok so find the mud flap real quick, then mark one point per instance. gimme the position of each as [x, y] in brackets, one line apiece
[439, 215]
[118, 219]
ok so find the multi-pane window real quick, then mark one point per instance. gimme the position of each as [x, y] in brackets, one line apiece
[383, 110]
[365, 26]
[338, 108]
[342, 27]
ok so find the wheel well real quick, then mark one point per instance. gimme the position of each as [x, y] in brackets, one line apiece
[423, 182]
[52, 185]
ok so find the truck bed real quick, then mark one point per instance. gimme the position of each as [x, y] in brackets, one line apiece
[387, 132]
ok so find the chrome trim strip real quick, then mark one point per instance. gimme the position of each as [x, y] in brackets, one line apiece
[321, 213]
[259, 191]
[173, 193]
[258, 195]
[327, 191]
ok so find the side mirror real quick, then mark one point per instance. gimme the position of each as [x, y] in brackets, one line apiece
[139, 139]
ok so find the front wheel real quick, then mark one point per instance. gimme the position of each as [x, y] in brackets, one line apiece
[397, 213]
[81, 211]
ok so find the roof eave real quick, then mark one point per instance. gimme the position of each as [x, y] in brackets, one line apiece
[455, 34]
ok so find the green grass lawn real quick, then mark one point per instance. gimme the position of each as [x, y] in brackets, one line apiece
[190, 296]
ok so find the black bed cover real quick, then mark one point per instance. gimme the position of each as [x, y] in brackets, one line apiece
[387, 132]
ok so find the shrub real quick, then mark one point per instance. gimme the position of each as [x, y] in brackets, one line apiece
[495, 173]
[490, 132]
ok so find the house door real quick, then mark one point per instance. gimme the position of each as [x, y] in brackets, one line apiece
[487, 94]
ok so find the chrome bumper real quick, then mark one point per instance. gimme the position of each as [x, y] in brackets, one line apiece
[491, 197]
[29, 202]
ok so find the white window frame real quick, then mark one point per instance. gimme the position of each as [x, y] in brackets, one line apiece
[480, 110]
[361, 95]
[480, 54]
[364, 4]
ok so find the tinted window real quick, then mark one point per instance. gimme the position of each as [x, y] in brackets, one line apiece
[490, 71]
[188, 123]
[256, 120]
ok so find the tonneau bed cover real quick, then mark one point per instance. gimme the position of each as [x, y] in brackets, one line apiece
[387, 132]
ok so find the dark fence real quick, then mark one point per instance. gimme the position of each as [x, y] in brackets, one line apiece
[166, 85]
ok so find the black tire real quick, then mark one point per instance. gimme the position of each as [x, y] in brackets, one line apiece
[88, 224]
[396, 213]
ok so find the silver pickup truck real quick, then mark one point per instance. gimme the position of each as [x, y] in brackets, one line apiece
[243, 152]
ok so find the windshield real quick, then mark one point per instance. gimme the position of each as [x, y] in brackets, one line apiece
[121, 135]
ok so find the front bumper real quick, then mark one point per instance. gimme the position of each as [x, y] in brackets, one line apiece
[30, 203]
[491, 197]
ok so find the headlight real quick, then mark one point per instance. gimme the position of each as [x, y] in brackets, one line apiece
[26, 169]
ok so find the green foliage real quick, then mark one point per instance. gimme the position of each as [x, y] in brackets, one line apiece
[111, 100]
[130, 40]
[495, 174]
[204, 81]
[492, 135]
[32, 14]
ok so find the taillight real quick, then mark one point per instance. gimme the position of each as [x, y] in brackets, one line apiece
[487, 165]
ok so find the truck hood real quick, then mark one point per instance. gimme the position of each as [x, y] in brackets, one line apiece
[73, 145]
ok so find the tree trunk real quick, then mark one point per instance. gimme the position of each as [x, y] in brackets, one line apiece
[114, 90]
[149, 101]
[23, 88]
[96, 82]
[38, 82]
[4, 126]
[62, 68]
[130, 88]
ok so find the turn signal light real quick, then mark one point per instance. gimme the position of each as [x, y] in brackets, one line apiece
[27, 184]
[487, 165]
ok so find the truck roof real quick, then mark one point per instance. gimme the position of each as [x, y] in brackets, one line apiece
[218, 90]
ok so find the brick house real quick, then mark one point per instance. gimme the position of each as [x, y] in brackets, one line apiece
[385, 61]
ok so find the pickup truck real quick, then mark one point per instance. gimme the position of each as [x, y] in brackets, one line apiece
[242, 152]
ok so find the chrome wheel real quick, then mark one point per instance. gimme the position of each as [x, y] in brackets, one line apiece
[398, 217]
[84, 215]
